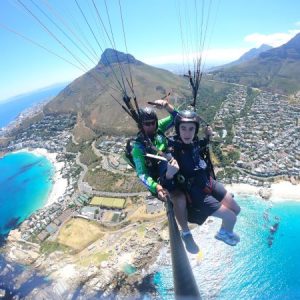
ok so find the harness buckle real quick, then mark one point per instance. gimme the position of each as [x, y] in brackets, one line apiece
[180, 178]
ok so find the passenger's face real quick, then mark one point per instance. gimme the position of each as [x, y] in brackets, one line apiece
[187, 132]
[149, 127]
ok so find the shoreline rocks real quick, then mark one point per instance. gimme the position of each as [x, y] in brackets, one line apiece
[265, 193]
[59, 275]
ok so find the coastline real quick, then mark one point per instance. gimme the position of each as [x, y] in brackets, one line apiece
[59, 184]
[280, 192]
[284, 189]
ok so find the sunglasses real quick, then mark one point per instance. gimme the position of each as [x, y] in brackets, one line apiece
[151, 123]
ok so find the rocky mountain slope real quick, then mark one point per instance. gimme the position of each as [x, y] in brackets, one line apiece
[92, 95]
[276, 70]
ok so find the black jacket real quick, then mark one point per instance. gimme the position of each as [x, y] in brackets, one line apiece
[192, 166]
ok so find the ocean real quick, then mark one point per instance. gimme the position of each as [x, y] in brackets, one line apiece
[255, 269]
[264, 265]
[12, 107]
[25, 183]
[24, 177]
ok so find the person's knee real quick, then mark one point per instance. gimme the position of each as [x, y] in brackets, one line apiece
[227, 199]
[231, 204]
[235, 207]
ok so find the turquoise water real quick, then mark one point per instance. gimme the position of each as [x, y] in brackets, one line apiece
[253, 269]
[129, 269]
[25, 183]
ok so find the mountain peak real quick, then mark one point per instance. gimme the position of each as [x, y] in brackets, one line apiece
[111, 56]
[290, 50]
[294, 42]
[276, 69]
[264, 47]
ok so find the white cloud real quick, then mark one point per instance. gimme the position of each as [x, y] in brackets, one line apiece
[210, 57]
[223, 55]
[220, 56]
[274, 39]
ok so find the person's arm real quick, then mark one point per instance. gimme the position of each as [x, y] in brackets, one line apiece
[164, 104]
[167, 179]
[166, 123]
[141, 169]
[208, 134]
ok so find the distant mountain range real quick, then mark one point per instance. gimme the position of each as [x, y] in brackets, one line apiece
[251, 54]
[277, 69]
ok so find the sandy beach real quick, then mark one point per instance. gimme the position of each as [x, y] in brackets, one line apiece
[281, 191]
[285, 191]
[59, 184]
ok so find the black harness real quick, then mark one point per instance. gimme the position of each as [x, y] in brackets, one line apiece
[199, 149]
[149, 148]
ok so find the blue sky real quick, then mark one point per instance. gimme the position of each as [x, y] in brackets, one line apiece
[152, 32]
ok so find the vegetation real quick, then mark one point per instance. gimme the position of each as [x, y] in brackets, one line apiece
[108, 202]
[216, 149]
[75, 148]
[234, 156]
[209, 100]
[251, 95]
[276, 70]
[27, 122]
[81, 132]
[88, 157]
[228, 173]
[141, 229]
[229, 125]
[71, 147]
[94, 259]
[77, 233]
[224, 158]
[48, 247]
[104, 180]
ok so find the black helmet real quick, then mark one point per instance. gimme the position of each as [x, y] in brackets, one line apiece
[147, 114]
[187, 116]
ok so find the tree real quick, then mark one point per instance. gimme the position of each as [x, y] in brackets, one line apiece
[234, 156]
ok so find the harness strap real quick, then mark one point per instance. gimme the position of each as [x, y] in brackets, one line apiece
[188, 197]
[208, 189]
